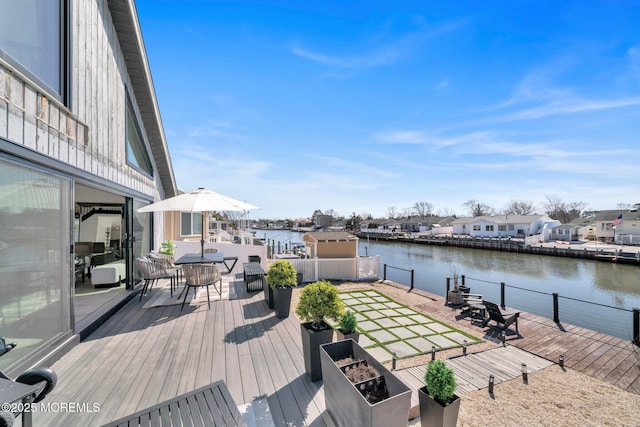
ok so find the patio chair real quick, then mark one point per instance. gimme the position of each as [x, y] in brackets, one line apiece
[503, 320]
[151, 272]
[197, 275]
[166, 269]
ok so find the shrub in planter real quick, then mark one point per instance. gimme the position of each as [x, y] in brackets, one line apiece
[318, 301]
[439, 405]
[167, 248]
[281, 277]
[348, 327]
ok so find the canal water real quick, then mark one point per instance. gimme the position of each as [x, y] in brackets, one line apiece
[593, 294]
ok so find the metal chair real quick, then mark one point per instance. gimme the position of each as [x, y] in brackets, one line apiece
[197, 275]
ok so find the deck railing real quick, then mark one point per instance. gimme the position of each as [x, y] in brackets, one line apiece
[354, 269]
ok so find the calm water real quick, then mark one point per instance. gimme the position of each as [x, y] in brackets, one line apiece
[613, 288]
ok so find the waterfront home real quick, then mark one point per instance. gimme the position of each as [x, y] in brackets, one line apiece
[383, 225]
[420, 224]
[80, 132]
[565, 233]
[619, 226]
[504, 225]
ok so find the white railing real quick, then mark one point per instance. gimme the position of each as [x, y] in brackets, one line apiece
[355, 269]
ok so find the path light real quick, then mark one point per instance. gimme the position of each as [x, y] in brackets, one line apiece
[504, 337]
[433, 352]
[562, 360]
[464, 347]
[491, 381]
[525, 375]
[393, 361]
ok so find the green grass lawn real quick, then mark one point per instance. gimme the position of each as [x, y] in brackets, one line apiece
[387, 327]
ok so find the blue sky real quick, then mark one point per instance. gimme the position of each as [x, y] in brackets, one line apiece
[360, 106]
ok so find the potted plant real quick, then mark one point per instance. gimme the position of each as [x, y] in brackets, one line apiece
[439, 405]
[349, 403]
[281, 277]
[167, 248]
[347, 328]
[318, 301]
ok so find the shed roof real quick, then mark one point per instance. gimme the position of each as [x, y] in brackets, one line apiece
[331, 236]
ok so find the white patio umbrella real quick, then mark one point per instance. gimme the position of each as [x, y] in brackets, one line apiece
[199, 200]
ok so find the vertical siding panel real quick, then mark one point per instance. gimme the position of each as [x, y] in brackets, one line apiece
[81, 43]
[4, 105]
[42, 136]
[30, 100]
[4, 118]
[15, 96]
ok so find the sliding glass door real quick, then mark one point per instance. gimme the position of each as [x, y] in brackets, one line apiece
[35, 259]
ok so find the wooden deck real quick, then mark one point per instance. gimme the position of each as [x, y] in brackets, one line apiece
[141, 357]
[601, 356]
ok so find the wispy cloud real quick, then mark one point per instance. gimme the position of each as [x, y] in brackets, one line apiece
[383, 54]
[342, 164]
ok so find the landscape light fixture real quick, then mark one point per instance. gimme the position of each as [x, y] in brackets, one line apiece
[504, 337]
[393, 361]
[433, 352]
[464, 347]
[491, 381]
[525, 375]
[562, 360]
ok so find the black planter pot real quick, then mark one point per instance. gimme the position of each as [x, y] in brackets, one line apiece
[353, 336]
[282, 301]
[268, 295]
[433, 413]
[312, 339]
[346, 404]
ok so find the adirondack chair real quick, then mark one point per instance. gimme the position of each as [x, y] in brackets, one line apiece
[503, 320]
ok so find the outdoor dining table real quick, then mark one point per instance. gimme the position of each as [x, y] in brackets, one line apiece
[208, 258]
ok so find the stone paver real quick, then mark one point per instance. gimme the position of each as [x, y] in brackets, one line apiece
[386, 322]
[421, 330]
[421, 344]
[369, 325]
[401, 349]
[361, 307]
[404, 320]
[377, 306]
[380, 354]
[439, 327]
[402, 332]
[383, 336]
[389, 313]
[441, 341]
[374, 314]
[365, 341]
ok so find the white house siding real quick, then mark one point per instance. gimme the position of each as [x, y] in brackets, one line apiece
[91, 134]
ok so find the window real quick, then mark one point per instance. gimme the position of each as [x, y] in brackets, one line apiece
[488, 228]
[190, 223]
[33, 37]
[476, 228]
[502, 228]
[137, 155]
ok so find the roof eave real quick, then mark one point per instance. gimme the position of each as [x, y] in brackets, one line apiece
[125, 20]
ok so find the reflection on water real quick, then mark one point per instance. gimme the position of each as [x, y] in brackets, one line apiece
[606, 283]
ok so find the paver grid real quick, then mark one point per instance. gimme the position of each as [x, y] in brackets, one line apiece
[388, 327]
